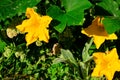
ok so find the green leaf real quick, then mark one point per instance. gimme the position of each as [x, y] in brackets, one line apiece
[56, 13]
[61, 26]
[10, 8]
[67, 55]
[85, 53]
[2, 45]
[111, 6]
[58, 60]
[111, 24]
[71, 5]
[72, 15]
[118, 1]
[75, 17]
[75, 11]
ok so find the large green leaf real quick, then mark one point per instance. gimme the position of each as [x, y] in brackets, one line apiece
[75, 17]
[111, 6]
[56, 13]
[71, 5]
[111, 24]
[72, 15]
[10, 8]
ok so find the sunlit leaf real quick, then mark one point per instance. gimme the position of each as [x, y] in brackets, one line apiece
[72, 15]
[71, 5]
[111, 24]
[56, 13]
[75, 17]
[111, 6]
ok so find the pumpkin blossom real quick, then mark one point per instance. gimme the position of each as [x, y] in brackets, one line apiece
[35, 27]
[106, 64]
[97, 31]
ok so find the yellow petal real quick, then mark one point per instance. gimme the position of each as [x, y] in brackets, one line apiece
[117, 65]
[112, 55]
[98, 56]
[98, 40]
[30, 13]
[84, 32]
[44, 36]
[30, 39]
[111, 36]
[109, 74]
[96, 72]
[46, 20]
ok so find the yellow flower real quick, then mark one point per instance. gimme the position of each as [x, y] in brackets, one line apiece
[106, 64]
[97, 31]
[35, 27]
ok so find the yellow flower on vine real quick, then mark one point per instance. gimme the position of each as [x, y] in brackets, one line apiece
[97, 31]
[106, 64]
[35, 27]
